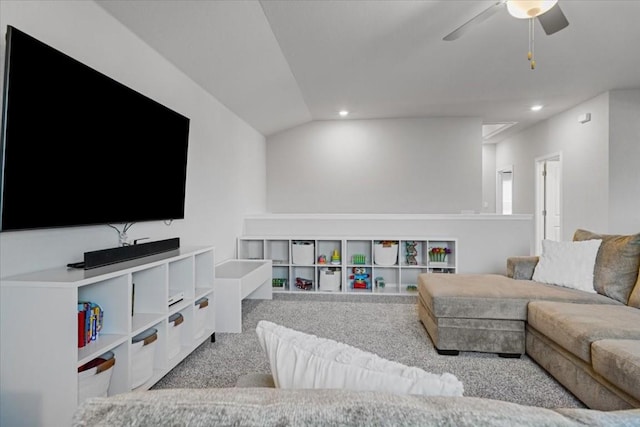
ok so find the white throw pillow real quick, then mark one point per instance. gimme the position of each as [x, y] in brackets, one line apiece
[568, 264]
[303, 361]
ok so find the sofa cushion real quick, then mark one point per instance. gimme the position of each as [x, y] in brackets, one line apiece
[617, 263]
[492, 296]
[255, 380]
[300, 360]
[575, 326]
[587, 417]
[619, 362]
[568, 264]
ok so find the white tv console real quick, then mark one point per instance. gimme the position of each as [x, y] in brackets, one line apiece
[38, 338]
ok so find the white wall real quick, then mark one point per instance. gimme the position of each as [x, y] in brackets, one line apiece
[431, 165]
[489, 178]
[585, 164]
[624, 161]
[226, 164]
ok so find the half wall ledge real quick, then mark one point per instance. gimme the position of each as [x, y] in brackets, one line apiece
[485, 240]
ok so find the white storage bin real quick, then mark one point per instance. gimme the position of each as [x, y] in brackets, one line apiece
[330, 279]
[94, 377]
[143, 348]
[385, 254]
[201, 316]
[302, 252]
[173, 335]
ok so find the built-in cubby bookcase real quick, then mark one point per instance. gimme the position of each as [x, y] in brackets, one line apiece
[39, 331]
[395, 276]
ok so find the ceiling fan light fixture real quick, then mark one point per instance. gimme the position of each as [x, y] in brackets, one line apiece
[526, 9]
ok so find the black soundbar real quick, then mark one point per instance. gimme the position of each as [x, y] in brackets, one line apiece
[104, 257]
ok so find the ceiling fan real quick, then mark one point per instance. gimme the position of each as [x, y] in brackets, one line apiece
[548, 13]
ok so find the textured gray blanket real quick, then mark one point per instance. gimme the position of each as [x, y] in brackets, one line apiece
[279, 407]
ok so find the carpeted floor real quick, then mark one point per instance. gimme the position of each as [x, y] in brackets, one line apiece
[386, 326]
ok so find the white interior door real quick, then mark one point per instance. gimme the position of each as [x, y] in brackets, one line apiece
[548, 199]
[552, 200]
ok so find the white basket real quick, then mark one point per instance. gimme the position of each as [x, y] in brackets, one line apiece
[142, 357]
[173, 335]
[302, 253]
[200, 317]
[385, 255]
[330, 280]
[95, 382]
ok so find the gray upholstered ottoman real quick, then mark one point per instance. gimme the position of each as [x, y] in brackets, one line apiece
[472, 313]
[484, 312]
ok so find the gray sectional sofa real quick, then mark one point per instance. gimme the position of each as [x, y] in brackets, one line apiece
[590, 342]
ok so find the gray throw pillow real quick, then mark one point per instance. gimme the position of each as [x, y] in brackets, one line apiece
[617, 263]
[634, 298]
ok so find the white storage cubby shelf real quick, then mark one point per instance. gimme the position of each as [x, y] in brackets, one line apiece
[40, 354]
[362, 268]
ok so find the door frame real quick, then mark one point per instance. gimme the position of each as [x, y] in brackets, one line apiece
[540, 194]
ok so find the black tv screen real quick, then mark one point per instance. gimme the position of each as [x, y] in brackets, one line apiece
[79, 148]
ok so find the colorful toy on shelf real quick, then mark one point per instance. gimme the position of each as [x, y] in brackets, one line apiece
[335, 257]
[379, 281]
[304, 284]
[322, 259]
[438, 254]
[278, 283]
[360, 259]
[360, 278]
[411, 253]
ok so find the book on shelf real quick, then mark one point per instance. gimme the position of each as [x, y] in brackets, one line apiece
[90, 318]
[81, 332]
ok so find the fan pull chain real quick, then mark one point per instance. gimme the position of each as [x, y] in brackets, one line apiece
[530, 55]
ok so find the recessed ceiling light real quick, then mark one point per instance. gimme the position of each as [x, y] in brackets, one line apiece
[536, 108]
[343, 113]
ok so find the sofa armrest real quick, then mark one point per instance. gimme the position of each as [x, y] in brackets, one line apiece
[521, 267]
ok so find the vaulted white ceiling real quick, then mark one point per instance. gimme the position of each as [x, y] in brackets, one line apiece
[278, 64]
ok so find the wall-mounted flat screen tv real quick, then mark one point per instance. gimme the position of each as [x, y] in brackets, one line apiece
[79, 148]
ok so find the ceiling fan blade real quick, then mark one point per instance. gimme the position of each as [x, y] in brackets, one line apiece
[553, 20]
[481, 17]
